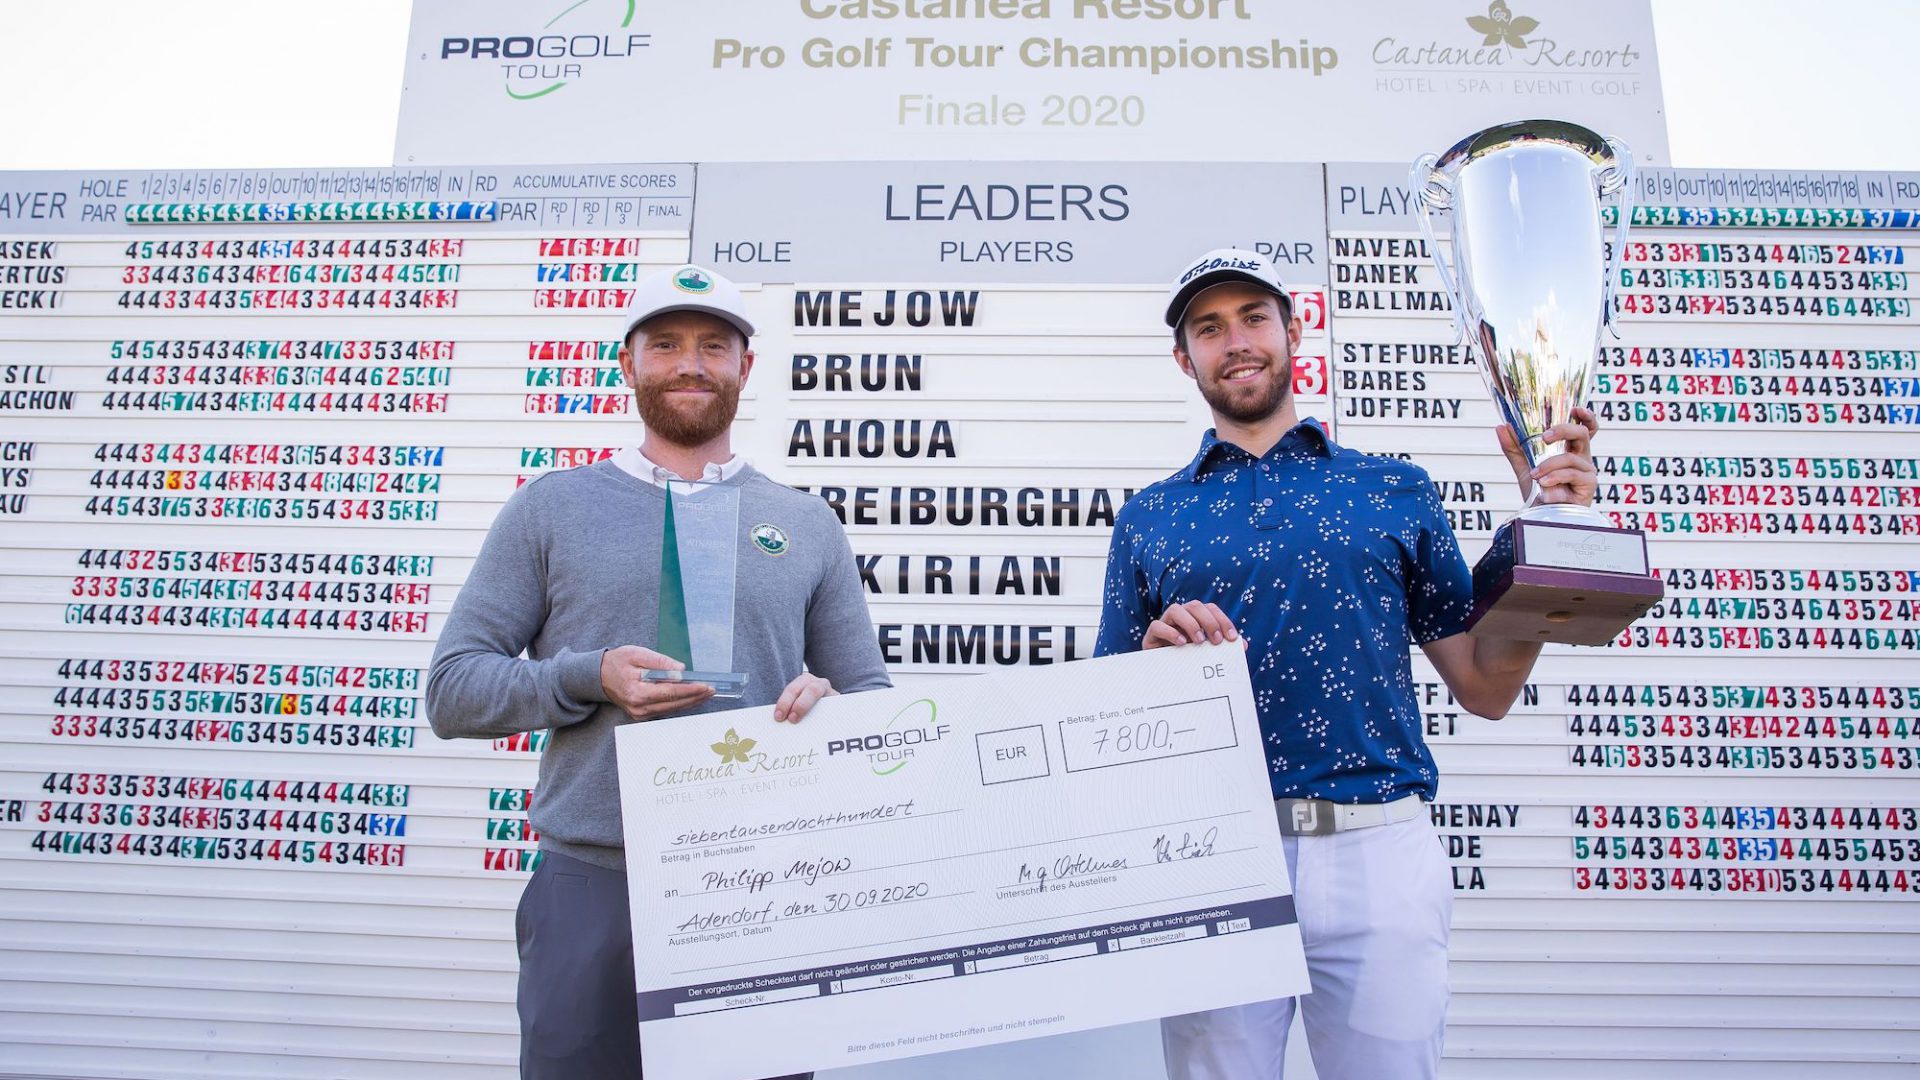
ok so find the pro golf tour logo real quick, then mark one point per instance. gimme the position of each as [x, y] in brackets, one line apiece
[890, 749]
[580, 41]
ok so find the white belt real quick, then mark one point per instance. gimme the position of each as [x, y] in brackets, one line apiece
[1318, 817]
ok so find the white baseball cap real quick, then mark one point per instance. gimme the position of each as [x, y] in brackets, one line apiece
[688, 288]
[1217, 267]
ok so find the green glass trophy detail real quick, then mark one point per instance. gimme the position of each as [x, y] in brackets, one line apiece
[699, 552]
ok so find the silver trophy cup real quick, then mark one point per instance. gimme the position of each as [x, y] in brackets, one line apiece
[1531, 286]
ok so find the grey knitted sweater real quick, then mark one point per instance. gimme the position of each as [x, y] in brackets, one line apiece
[571, 568]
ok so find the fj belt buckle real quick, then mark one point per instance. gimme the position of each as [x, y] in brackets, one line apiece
[1308, 817]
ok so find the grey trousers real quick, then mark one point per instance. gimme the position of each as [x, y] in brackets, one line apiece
[578, 1018]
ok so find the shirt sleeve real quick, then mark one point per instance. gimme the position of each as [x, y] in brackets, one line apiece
[479, 686]
[1439, 583]
[1127, 603]
[840, 643]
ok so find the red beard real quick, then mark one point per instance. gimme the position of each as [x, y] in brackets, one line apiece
[687, 423]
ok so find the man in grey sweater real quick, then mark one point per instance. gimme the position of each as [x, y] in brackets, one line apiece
[569, 575]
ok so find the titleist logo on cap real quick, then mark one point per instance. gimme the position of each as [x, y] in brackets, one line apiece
[1209, 265]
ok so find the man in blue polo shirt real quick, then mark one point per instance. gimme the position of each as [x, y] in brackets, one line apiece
[1328, 563]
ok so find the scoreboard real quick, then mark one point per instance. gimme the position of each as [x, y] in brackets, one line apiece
[253, 427]
[1724, 797]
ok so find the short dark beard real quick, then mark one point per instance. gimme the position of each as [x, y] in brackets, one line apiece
[1252, 412]
[677, 426]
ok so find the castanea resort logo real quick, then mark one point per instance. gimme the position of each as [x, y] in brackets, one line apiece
[893, 747]
[738, 757]
[581, 38]
[1501, 25]
[1506, 41]
[734, 748]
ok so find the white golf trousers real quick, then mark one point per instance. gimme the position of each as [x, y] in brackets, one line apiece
[1375, 905]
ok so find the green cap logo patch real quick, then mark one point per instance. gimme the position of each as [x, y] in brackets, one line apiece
[769, 538]
[693, 281]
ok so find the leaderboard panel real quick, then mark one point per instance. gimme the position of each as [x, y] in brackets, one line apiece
[1753, 742]
[973, 370]
[255, 426]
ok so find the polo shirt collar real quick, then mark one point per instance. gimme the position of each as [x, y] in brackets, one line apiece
[643, 468]
[1306, 435]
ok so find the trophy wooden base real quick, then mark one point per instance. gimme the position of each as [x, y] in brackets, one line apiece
[1554, 581]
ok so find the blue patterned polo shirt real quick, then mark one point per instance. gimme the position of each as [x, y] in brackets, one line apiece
[1331, 563]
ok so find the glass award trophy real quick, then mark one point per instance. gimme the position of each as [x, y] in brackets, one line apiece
[699, 556]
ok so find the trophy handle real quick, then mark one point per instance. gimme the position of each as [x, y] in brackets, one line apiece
[1431, 189]
[1612, 178]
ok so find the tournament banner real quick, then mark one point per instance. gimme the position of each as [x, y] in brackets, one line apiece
[1012, 80]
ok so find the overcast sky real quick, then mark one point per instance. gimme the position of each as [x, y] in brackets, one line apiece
[147, 84]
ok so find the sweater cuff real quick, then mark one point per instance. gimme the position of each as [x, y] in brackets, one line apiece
[580, 675]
